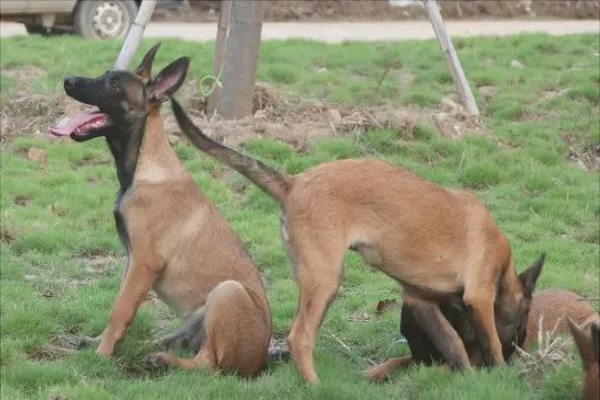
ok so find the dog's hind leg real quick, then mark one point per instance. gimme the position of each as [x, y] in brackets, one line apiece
[236, 332]
[318, 273]
[381, 372]
[438, 329]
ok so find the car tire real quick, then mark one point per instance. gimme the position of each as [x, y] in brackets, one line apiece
[104, 19]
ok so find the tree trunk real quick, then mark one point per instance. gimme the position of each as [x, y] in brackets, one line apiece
[222, 31]
[241, 57]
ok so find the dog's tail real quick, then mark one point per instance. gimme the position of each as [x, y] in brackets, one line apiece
[274, 183]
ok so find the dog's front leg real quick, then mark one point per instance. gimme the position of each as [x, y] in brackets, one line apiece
[438, 329]
[481, 317]
[138, 281]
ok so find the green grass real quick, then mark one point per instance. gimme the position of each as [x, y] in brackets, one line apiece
[57, 217]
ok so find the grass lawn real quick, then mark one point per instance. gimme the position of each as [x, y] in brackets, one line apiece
[62, 261]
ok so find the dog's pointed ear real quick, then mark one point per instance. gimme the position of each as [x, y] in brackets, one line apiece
[583, 342]
[530, 276]
[145, 68]
[169, 79]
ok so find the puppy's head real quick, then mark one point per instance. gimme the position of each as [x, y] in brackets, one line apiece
[122, 98]
[512, 308]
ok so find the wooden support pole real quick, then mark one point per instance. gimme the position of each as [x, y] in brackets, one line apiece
[241, 58]
[134, 36]
[219, 53]
[458, 75]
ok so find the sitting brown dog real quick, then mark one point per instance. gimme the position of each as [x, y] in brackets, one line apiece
[549, 312]
[177, 242]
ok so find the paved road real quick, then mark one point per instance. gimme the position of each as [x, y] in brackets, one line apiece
[335, 32]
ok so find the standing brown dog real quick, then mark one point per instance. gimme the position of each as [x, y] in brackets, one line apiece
[435, 242]
[176, 240]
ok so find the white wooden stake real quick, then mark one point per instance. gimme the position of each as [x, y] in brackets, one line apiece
[134, 36]
[458, 75]
[222, 31]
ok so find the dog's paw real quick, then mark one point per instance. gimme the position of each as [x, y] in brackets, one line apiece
[375, 375]
[156, 360]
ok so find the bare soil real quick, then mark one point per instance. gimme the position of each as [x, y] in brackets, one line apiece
[276, 115]
[297, 122]
[369, 10]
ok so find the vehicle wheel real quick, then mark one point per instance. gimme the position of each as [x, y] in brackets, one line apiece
[104, 19]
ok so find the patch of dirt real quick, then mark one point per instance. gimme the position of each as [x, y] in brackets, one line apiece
[59, 347]
[275, 115]
[488, 92]
[32, 113]
[22, 200]
[39, 156]
[99, 264]
[95, 252]
[587, 158]
[551, 94]
[296, 122]
[91, 160]
[7, 235]
[25, 73]
[384, 305]
[369, 10]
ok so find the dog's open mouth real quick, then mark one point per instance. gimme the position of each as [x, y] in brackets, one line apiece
[80, 125]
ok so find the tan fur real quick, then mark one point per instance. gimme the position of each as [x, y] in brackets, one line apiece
[352, 203]
[381, 372]
[182, 247]
[553, 307]
[433, 240]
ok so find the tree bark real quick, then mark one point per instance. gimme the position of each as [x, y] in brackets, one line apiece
[222, 32]
[241, 57]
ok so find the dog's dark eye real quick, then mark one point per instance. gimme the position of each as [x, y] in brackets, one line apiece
[114, 85]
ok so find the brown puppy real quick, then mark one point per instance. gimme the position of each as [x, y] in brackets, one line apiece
[177, 242]
[436, 242]
[549, 310]
[589, 350]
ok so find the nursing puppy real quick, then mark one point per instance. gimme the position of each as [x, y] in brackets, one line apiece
[434, 241]
[177, 242]
[549, 313]
[550, 310]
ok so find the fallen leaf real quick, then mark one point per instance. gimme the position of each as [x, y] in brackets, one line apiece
[383, 305]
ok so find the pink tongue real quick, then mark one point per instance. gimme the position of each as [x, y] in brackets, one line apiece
[79, 122]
